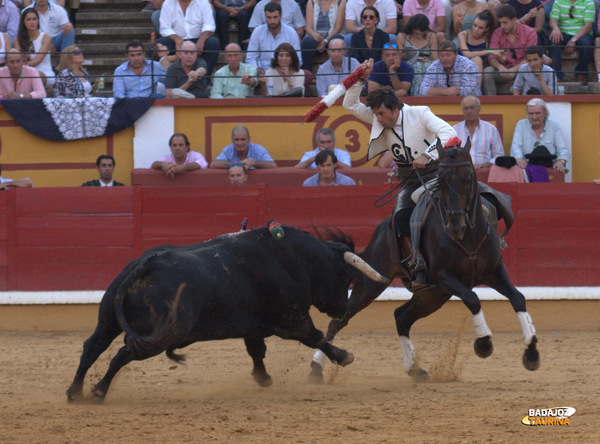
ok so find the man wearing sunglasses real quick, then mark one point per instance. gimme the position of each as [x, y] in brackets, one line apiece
[514, 38]
[571, 22]
[392, 71]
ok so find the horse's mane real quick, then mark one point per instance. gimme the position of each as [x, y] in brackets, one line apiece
[333, 234]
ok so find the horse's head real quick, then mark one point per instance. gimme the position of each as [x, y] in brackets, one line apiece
[457, 185]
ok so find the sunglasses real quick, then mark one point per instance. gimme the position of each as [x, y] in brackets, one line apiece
[448, 80]
[390, 45]
[368, 17]
[77, 52]
[236, 164]
[514, 53]
[571, 10]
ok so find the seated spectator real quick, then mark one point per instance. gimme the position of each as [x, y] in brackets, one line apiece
[284, 74]
[185, 77]
[336, 68]
[514, 37]
[387, 19]
[530, 13]
[419, 48]
[162, 55]
[236, 79]
[433, 9]
[534, 78]
[571, 26]
[324, 22]
[238, 174]
[17, 183]
[539, 131]
[486, 143]
[451, 74]
[392, 71]
[106, 167]
[291, 15]
[55, 22]
[9, 23]
[265, 39]
[5, 45]
[325, 141]
[36, 44]
[327, 175]
[18, 81]
[238, 11]
[196, 23]
[368, 42]
[137, 77]
[181, 158]
[72, 79]
[242, 150]
[465, 13]
[475, 43]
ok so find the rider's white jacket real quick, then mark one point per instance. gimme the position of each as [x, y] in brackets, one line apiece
[415, 133]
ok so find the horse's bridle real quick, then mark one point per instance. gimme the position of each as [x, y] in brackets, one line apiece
[470, 210]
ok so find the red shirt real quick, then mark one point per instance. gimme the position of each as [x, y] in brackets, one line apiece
[526, 37]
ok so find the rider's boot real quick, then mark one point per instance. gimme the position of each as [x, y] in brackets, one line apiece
[419, 276]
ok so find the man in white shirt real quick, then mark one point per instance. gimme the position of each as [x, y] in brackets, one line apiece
[291, 15]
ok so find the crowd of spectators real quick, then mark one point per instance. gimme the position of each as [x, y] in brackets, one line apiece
[280, 40]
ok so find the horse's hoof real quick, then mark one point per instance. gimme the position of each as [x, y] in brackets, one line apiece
[73, 394]
[349, 359]
[418, 374]
[316, 374]
[98, 396]
[262, 379]
[483, 347]
[531, 358]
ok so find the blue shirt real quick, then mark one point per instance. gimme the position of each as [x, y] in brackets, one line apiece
[261, 47]
[128, 84]
[327, 75]
[379, 74]
[525, 79]
[340, 179]
[255, 151]
[342, 156]
[463, 74]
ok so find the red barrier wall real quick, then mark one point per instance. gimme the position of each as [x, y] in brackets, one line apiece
[80, 238]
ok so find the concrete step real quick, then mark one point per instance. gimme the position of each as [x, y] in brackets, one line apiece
[111, 17]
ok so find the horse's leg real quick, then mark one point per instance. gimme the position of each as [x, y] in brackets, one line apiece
[257, 349]
[483, 345]
[501, 283]
[422, 304]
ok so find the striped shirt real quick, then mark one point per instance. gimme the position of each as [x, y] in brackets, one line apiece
[486, 143]
[583, 11]
[464, 74]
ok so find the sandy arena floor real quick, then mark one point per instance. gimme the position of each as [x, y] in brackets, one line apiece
[214, 399]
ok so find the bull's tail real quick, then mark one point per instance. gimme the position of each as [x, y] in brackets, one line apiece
[165, 328]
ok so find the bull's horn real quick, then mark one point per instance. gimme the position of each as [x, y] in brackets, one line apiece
[364, 268]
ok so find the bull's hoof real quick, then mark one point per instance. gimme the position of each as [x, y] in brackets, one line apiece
[418, 374]
[531, 357]
[483, 347]
[316, 373]
[262, 379]
[349, 359]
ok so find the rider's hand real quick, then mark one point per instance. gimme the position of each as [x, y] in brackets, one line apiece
[420, 162]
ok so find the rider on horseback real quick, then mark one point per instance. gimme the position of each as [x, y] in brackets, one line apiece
[410, 133]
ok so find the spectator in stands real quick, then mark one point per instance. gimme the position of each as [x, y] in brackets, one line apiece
[242, 150]
[530, 13]
[571, 26]
[367, 43]
[9, 19]
[239, 11]
[137, 77]
[181, 159]
[291, 15]
[324, 22]
[55, 22]
[327, 175]
[238, 174]
[433, 9]
[162, 55]
[419, 48]
[19, 81]
[336, 68]
[72, 79]
[387, 19]
[514, 37]
[236, 79]
[464, 14]
[534, 78]
[284, 75]
[539, 131]
[5, 45]
[36, 44]
[190, 20]
[392, 71]
[266, 38]
[451, 74]
[185, 77]
[486, 143]
[17, 183]
[475, 43]
[106, 167]
[325, 141]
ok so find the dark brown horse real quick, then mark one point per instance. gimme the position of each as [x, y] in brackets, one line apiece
[461, 247]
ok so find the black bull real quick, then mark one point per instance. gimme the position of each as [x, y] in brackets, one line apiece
[245, 285]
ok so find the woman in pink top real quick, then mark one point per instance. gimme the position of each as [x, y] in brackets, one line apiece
[433, 9]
